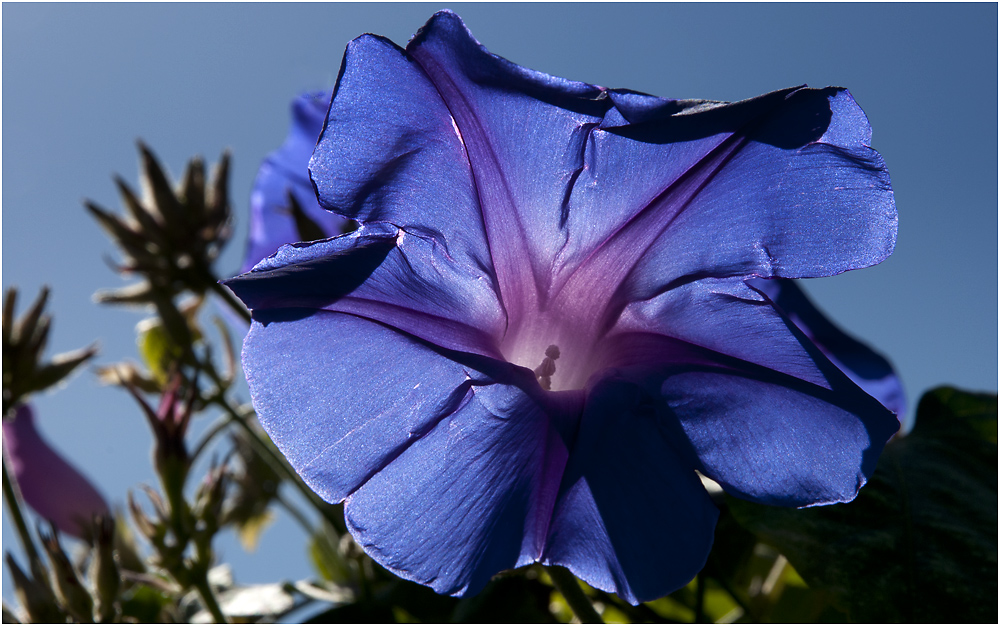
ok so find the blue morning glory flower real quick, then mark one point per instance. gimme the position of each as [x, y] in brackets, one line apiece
[273, 221]
[544, 327]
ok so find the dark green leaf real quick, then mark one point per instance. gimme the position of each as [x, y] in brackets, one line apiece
[919, 544]
[515, 598]
[145, 605]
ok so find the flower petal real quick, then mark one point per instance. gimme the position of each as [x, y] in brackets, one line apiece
[727, 317]
[781, 185]
[524, 133]
[867, 368]
[470, 498]
[763, 435]
[632, 516]
[790, 209]
[390, 152]
[328, 390]
[286, 171]
[385, 274]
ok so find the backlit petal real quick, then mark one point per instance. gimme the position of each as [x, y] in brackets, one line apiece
[472, 497]
[381, 273]
[867, 368]
[632, 516]
[763, 435]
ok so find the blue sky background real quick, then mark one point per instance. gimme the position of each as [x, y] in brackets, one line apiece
[83, 82]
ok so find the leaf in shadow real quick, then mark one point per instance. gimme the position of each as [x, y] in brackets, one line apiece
[919, 543]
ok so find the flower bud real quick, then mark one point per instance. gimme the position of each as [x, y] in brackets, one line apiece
[104, 575]
[35, 597]
[49, 485]
[210, 496]
[170, 236]
[72, 595]
[169, 423]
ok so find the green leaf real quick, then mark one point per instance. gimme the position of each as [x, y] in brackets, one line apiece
[919, 544]
[145, 604]
[250, 531]
[325, 557]
[156, 349]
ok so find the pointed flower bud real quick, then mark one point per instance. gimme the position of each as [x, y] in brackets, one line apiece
[169, 423]
[35, 597]
[72, 595]
[152, 530]
[211, 495]
[56, 490]
[104, 574]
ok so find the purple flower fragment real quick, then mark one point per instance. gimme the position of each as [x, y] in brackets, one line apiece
[56, 490]
[543, 326]
[274, 219]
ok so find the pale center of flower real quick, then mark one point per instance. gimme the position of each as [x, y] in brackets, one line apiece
[568, 353]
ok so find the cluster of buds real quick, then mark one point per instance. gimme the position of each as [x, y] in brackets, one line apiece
[24, 342]
[169, 423]
[62, 592]
[174, 527]
[169, 237]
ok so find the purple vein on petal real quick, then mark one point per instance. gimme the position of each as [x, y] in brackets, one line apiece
[505, 235]
[446, 333]
[612, 260]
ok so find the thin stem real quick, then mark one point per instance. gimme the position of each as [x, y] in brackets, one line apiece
[231, 300]
[297, 514]
[213, 432]
[14, 506]
[569, 587]
[208, 597]
[699, 603]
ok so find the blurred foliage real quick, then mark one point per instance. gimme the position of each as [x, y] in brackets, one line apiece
[918, 544]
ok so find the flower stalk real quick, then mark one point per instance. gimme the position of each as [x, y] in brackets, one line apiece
[567, 584]
[14, 506]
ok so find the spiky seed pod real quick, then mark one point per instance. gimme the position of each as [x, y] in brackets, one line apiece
[24, 342]
[169, 236]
